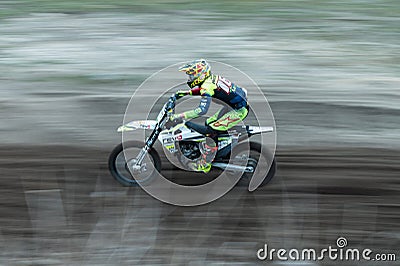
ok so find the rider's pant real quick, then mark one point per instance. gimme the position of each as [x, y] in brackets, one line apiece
[225, 119]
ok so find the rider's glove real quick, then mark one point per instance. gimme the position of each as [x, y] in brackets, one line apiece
[176, 118]
[180, 94]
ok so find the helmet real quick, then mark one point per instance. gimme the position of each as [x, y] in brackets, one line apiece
[197, 70]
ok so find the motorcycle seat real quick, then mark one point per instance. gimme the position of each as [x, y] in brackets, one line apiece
[204, 130]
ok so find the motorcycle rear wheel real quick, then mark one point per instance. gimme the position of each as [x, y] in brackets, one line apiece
[250, 156]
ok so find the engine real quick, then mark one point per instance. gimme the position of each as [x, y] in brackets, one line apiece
[190, 149]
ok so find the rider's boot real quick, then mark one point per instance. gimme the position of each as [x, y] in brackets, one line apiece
[208, 150]
[202, 166]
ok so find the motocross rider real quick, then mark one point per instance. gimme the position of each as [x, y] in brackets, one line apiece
[208, 85]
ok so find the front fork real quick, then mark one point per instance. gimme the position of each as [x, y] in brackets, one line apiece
[140, 157]
[136, 165]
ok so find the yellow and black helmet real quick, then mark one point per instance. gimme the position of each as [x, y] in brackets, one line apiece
[197, 70]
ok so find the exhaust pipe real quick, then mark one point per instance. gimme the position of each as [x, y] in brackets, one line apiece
[233, 167]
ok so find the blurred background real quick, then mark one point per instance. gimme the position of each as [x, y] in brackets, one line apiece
[329, 69]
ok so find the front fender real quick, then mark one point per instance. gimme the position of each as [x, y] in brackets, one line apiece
[139, 124]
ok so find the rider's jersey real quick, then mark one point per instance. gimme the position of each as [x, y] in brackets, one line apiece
[220, 88]
[224, 90]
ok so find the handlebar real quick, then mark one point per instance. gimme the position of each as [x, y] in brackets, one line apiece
[171, 103]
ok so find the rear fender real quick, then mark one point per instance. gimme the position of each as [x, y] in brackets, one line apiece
[253, 130]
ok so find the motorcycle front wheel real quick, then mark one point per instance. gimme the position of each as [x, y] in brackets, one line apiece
[123, 155]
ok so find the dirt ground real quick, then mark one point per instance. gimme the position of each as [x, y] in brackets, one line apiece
[60, 206]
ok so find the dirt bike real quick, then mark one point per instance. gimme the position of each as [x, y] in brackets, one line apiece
[181, 144]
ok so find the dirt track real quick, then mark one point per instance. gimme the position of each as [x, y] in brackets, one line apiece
[60, 206]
